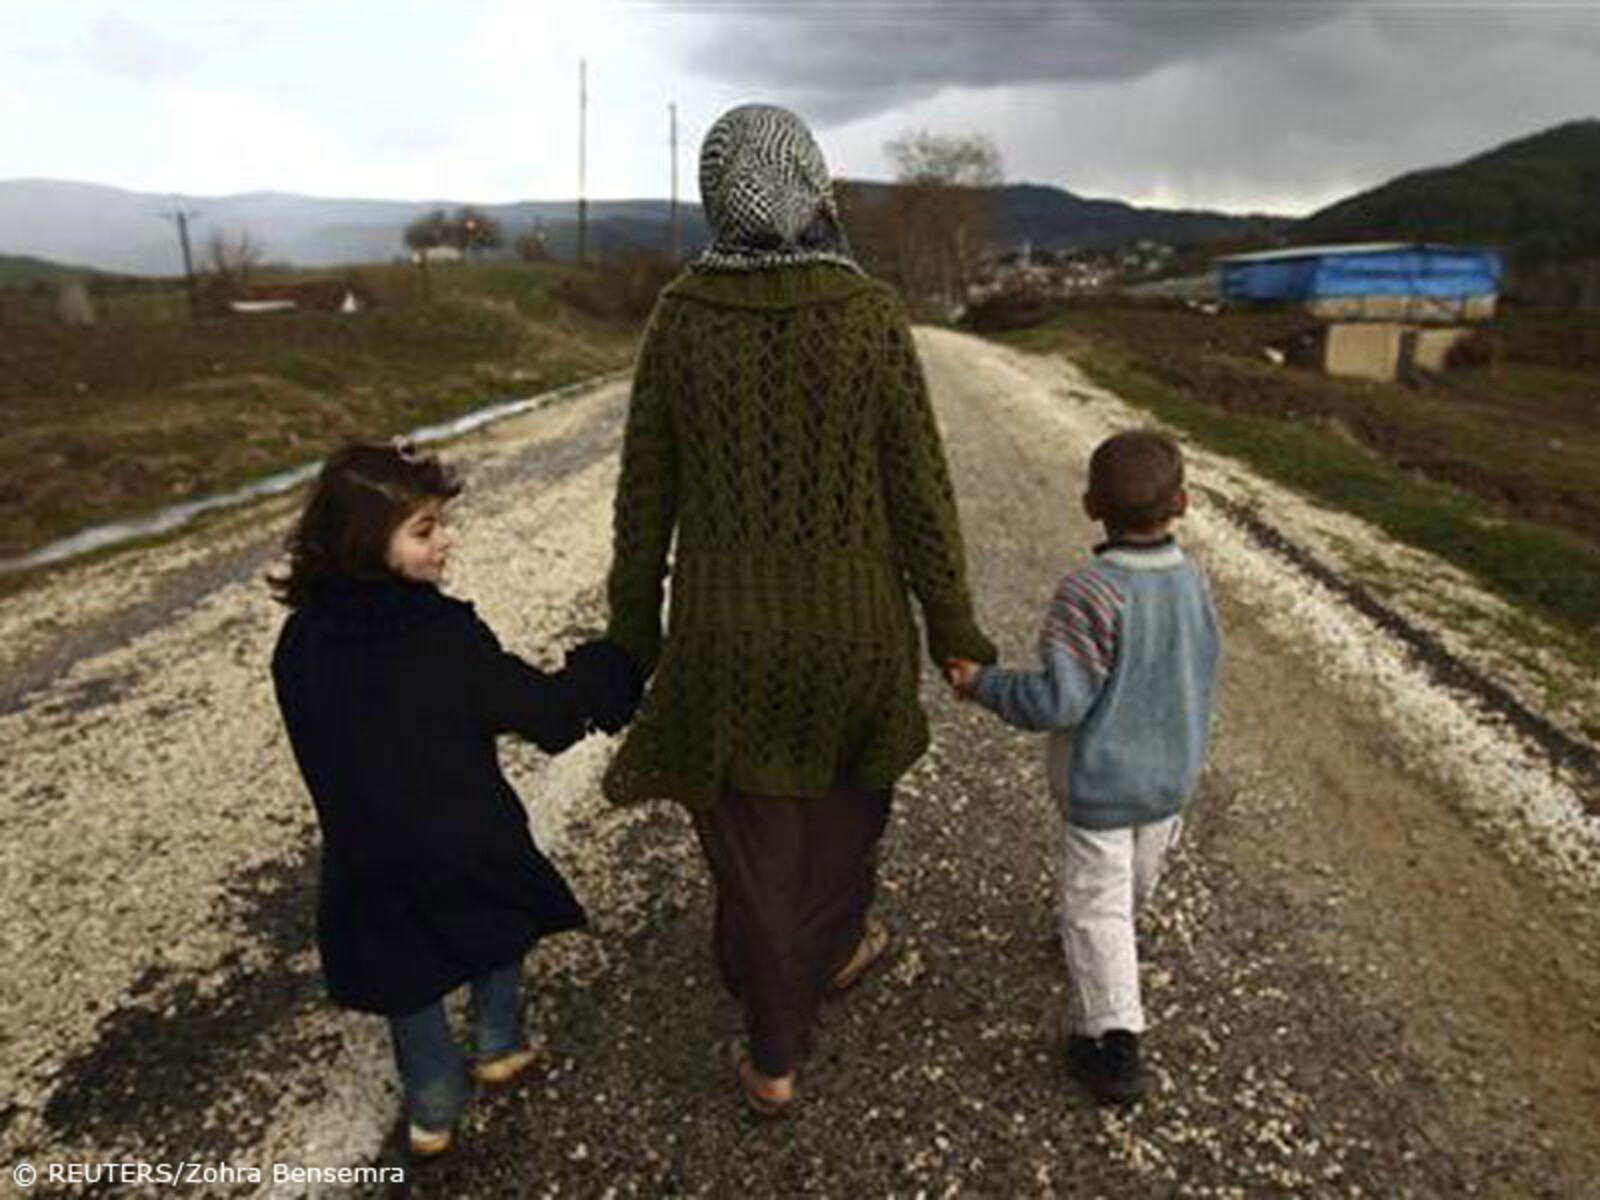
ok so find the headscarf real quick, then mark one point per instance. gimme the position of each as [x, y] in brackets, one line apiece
[766, 194]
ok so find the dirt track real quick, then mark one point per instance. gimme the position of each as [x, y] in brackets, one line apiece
[1373, 969]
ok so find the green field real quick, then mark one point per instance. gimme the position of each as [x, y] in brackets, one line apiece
[148, 406]
[1495, 469]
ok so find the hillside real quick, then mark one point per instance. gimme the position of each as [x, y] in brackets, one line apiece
[1053, 218]
[112, 229]
[148, 408]
[20, 270]
[1539, 198]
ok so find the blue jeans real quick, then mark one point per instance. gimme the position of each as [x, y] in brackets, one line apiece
[432, 1067]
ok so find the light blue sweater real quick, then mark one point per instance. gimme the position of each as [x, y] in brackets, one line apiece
[1129, 649]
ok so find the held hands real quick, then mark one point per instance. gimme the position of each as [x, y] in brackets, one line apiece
[962, 676]
[609, 683]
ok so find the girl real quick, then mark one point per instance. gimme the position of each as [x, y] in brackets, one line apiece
[392, 694]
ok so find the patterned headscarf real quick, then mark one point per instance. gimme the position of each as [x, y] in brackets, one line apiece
[766, 194]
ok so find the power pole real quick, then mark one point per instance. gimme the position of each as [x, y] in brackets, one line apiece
[676, 248]
[583, 154]
[181, 218]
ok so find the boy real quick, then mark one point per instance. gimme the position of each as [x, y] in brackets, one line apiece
[1129, 649]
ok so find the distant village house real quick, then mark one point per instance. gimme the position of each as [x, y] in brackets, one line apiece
[436, 254]
[309, 296]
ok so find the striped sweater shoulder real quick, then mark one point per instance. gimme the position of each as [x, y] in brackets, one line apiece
[1084, 618]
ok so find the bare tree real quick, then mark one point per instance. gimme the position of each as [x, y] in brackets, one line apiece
[936, 159]
[530, 244]
[232, 260]
[938, 211]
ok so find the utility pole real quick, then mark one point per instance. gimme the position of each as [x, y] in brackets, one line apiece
[181, 218]
[677, 252]
[583, 153]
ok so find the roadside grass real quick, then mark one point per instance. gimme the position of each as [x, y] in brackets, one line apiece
[146, 407]
[1313, 435]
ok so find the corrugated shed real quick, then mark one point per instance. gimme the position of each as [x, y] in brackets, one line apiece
[1389, 269]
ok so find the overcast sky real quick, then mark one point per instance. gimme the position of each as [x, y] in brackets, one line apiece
[1240, 105]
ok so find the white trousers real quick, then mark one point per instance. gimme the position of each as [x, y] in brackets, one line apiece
[1107, 875]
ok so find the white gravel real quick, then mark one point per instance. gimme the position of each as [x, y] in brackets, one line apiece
[152, 773]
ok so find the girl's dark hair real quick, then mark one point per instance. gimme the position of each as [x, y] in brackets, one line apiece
[363, 494]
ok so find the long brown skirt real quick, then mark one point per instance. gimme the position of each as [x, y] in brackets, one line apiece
[794, 880]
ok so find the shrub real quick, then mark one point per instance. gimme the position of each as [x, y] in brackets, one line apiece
[1008, 309]
[624, 289]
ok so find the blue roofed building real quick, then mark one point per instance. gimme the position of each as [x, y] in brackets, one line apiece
[1376, 281]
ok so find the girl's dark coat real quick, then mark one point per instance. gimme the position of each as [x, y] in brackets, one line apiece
[392, 694]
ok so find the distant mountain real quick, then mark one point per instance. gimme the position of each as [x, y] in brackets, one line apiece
[21, 271]
[112, 229]
[1052, 218]
[1538, 198]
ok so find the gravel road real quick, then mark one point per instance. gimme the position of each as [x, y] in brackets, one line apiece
[1372, 970]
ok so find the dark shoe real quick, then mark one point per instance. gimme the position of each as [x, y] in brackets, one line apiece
[1107, 1066]
[1122, 1078]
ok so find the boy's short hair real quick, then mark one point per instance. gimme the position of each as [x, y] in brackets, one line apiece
[1135, 479]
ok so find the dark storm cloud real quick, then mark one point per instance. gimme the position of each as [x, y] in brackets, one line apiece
[1291, 103]
[845, 59]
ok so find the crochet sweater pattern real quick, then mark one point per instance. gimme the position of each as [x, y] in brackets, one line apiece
[780, 424]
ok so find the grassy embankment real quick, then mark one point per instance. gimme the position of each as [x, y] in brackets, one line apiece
[146, 407]
[1495, 469]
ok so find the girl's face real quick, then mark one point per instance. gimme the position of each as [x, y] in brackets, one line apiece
[419, 548]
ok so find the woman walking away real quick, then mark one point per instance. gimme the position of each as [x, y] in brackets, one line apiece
[780, 425]
[392, 694]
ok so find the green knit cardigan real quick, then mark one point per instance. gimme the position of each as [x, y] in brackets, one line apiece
[779, 422]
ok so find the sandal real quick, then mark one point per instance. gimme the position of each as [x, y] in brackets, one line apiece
[427, 1143]
[764, 1095]
[868, 953]
[507, 1068]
